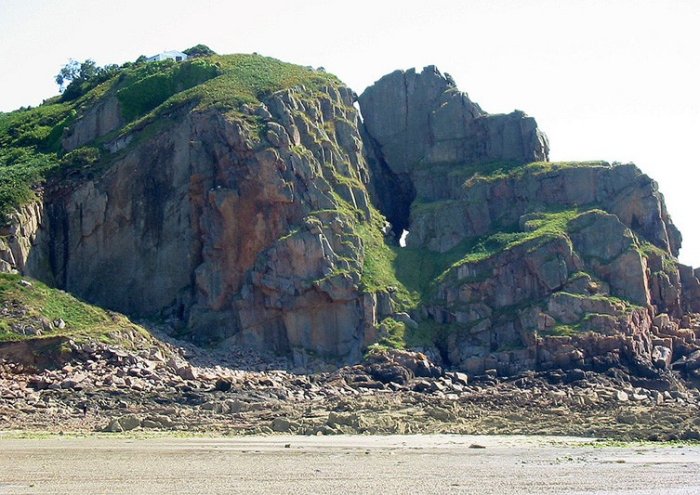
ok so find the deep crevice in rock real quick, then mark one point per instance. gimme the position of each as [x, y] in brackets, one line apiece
[391, 193]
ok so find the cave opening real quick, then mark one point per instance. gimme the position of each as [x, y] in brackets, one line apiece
[392, 192]
[396, 194]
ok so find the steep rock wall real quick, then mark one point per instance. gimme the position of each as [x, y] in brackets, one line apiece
[415, 121]
[240, 226]
[18, 237]
[252, 224]
[534, 265]
[97, 121]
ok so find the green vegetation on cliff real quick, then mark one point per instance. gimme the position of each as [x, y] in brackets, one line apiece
[20, 169]
[30, 138]
[250, 78]
[419, 269]
[146, 87]
[423, 272]
[31, 310]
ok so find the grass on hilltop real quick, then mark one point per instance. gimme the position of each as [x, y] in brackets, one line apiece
[30, 138]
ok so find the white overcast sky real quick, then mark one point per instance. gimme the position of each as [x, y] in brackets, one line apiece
[617, 80]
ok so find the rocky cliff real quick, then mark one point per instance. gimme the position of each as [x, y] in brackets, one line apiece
[247, 204]
[251, 224]
[522, 263]
[416, 122]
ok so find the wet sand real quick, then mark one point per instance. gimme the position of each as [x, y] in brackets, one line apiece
[426, 464]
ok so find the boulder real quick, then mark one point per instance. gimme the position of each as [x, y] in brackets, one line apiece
[124, 423]
[662, 356]
[283, 425]
[390, 373]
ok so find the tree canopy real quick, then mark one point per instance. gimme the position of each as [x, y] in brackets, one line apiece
[199, 51]
[76, 78]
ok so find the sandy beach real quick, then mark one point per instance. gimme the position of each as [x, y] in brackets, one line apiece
[428, 464]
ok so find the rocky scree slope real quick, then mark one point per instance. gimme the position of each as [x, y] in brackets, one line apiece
[238, 198]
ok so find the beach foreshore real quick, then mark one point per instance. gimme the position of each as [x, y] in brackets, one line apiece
[429, 464]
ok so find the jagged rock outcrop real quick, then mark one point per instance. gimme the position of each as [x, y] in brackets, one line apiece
[18, 237]
[422, 120]
[254, 220]
[102, 118]
[240, 226]
[415, 121]
[457, 203]
[543, 265]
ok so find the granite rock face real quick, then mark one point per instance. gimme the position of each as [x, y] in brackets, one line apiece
[416, 121]
[421, 119]
[229, 230]
[100, 119]
[455, 203]
[18, 237]
[260, 225]
[570, 272]
[535, 265]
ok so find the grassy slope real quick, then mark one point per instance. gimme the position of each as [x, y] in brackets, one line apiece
[30, 138]
[30, 304]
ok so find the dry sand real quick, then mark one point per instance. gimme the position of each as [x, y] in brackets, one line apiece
[421, 464]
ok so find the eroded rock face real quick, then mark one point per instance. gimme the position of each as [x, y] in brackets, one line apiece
[562, 265]
[422, 119]
[454, 205]
[255, 226]
[418, 120]
[553, 288]
[96, 122]
[18, 237]
[232, 229]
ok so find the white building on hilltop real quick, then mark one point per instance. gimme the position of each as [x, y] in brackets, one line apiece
[169, 55]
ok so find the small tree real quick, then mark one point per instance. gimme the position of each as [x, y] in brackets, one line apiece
[88, 70]
[199, 51]
[68, 73]
[76, 78]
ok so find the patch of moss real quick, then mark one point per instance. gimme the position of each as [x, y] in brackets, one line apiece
[668, 263]
[553, 166]
[560, 330]
[418, 269]
[378, 271]
[617, 301]
[499, 170]
[543, 227]
[250, 78]
[392, 334]
[21, 169]
[555, 222]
